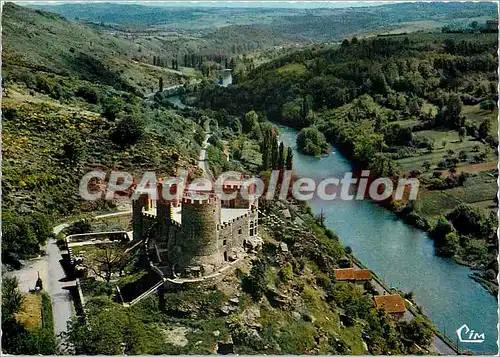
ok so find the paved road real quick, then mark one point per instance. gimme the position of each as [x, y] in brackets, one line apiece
[52, 274]
[202, 163]
[53, 277]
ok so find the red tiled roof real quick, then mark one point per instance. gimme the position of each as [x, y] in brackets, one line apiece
[362, 274]
[390, 303]
[352, 274]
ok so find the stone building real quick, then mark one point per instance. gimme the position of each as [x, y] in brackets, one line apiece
[191, 237]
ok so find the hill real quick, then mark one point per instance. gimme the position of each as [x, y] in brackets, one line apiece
[299, 25]
[42, 41]
[72, 102]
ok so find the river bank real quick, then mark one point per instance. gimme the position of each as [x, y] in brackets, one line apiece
[402, 256]
[415, 213]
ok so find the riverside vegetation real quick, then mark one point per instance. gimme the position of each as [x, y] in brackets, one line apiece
[418, 105]
[74, 100]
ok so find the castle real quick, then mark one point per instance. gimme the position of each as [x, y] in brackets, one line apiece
[190, 237]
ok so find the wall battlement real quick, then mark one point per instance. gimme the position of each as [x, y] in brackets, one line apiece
[200, 245]
[234, 220]
[148, 215]
[200, 202]
[176, 224]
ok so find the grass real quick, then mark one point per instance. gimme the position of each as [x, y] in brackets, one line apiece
[30, 315]
[477, 115]
[47, 316]
[435, 203]
[118, 223]
[478, 190]
[443, 142]
[293, 69]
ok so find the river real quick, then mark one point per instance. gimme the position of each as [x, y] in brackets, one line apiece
[403, 256]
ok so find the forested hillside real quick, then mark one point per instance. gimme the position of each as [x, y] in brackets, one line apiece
[218, 30]
[35, 40]
[419, 105]
[68, 106]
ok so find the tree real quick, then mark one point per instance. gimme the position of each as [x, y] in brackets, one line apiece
[448, 246]
[160, 84]
[484, 129]
[73, 147]
[289, 158]
[19, 241]
[440, 230]
[383, 166]
[249, 121]
[105, 260]
[112, 107]
[281, 155]
[462, 132]
[12, 299]
[311, 141]
[467, 220]
[128, 131]
[103, 331]
[90, 94]
[274, 152]
[419, 331]
[255, 282]
[298, 113]
[449, 112]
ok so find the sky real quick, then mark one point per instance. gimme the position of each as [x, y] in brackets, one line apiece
[241, 4]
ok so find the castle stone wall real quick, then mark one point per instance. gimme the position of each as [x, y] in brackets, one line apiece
[196, 247]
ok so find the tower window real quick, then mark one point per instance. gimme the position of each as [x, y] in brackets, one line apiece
[224, 242]
[239, 230]
[225, 256]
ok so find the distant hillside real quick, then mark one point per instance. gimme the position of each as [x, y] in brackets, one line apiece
[310, 25]
[48, 42]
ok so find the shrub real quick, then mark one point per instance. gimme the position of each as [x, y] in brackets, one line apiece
[311, 141]
[80, 227]
[90, 94]
[128, 131]
[255, 283]
[112, 107]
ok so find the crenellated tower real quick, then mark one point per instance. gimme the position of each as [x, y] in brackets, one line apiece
[196, 248]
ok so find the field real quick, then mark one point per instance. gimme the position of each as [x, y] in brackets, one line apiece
[478, 191]
[475, 157]
[30, 315]
[477, 115]
[443, 142]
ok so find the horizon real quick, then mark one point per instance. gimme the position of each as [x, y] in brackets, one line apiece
[224, 4]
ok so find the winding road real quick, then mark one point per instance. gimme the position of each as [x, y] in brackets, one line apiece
[54, 279]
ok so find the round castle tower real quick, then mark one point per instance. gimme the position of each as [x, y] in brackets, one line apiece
[195, 251]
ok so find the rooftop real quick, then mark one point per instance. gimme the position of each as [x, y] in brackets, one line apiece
[352, 274]
[226, 214]
[390, 303]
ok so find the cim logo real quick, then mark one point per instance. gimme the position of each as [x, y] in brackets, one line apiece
[465, 334]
